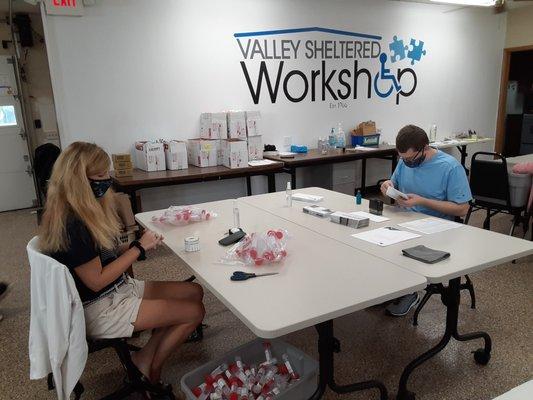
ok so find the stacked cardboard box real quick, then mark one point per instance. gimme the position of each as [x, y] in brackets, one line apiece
[203, 152]
[150, 156]
[175, 154]
[235, 153]
[122, 165]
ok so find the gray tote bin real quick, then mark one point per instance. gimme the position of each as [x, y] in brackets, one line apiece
[253, 353]
[519, 186]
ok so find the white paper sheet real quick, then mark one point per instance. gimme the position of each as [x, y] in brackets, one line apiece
[385, 236]
[430, 225]
[309, 198]
[258, 163]
[371, 217]
[395, 194]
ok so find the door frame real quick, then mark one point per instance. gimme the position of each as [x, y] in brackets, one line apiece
[502, 104]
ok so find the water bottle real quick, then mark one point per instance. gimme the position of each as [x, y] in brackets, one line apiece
[358, 198]
[332, 139]
[433, 133]
[236, 216]
[288, 195]
[341, 137]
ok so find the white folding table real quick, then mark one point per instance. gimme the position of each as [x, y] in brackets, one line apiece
[461, 145]
[321, 279]
[472, 249]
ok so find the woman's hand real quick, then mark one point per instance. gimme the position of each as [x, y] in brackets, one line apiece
[150, 240]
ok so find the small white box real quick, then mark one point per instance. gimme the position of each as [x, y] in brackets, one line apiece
[202, 152]
[236, 125]
[150, 156]
[213, 126]
[235, 153]
[255, 148]
[175, 154]
[253, 123]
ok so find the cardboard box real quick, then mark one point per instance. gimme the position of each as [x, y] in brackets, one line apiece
[175, 154]
[121, 173]
[203, 152]
[213, 125]
[255, 148]
[235, 153]
[150, 156]
[365, 128]
[122, 165]
[236, 125]
[220, 153]
[121, 157]
[253, 123]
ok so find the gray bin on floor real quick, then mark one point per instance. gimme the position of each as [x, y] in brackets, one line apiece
[253, 353]
[519, 186]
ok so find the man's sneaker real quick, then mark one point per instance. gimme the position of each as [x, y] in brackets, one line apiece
[402, 305]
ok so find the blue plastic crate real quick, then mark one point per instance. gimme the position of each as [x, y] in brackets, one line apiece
[367, 141]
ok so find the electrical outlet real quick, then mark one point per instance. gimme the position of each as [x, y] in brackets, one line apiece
[287, 141]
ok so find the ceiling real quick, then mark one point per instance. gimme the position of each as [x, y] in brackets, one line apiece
[511, 4]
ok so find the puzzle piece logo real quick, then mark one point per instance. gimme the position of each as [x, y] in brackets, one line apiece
[416, 52]
[398, 49]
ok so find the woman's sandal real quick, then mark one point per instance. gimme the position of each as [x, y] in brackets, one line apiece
[159, 388]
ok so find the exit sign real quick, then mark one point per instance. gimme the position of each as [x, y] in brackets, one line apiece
[64, 7]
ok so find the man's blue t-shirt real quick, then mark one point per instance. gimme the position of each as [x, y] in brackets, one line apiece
[441, 177]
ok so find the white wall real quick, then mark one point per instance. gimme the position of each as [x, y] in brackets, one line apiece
[519, 27]
[133, 69]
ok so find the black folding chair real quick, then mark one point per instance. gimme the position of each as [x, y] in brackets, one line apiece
[489, 182]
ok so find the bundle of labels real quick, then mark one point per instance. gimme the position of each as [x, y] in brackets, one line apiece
[239, 381]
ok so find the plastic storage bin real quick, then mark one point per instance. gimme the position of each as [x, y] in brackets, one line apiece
[253, 352]
[519, 187]
[368, 140]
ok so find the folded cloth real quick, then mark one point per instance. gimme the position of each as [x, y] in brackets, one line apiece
[425, 254]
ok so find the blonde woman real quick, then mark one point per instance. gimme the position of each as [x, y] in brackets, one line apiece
[79, 229]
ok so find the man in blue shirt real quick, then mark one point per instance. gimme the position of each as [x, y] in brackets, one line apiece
[435, 183]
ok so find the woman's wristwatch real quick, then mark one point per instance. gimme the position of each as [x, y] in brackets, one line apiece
[137, 244]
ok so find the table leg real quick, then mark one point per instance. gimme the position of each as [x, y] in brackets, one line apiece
[271, 183]
[394, 160]
[451, 296]
[363, 176]
[249, 185]
[134, 201]
[292, 172]
[326, 349]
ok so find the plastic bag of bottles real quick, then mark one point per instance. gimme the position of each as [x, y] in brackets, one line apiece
[183, 215]
[259, 248]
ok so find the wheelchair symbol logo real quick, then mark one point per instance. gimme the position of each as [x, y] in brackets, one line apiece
[385, 75]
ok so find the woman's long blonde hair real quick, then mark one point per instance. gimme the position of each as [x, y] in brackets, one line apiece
[70, 193]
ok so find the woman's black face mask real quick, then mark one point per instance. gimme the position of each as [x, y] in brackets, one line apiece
[100, 186]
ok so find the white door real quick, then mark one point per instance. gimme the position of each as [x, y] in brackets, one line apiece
[17, 189]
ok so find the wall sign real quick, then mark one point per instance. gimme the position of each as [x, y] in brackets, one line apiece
[316, 79]
[64, 7]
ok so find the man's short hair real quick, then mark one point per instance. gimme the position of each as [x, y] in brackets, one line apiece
[411, 137]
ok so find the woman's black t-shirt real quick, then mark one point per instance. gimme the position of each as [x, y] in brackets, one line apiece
[81, 250]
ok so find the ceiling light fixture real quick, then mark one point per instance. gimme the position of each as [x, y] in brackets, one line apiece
[479, 3]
